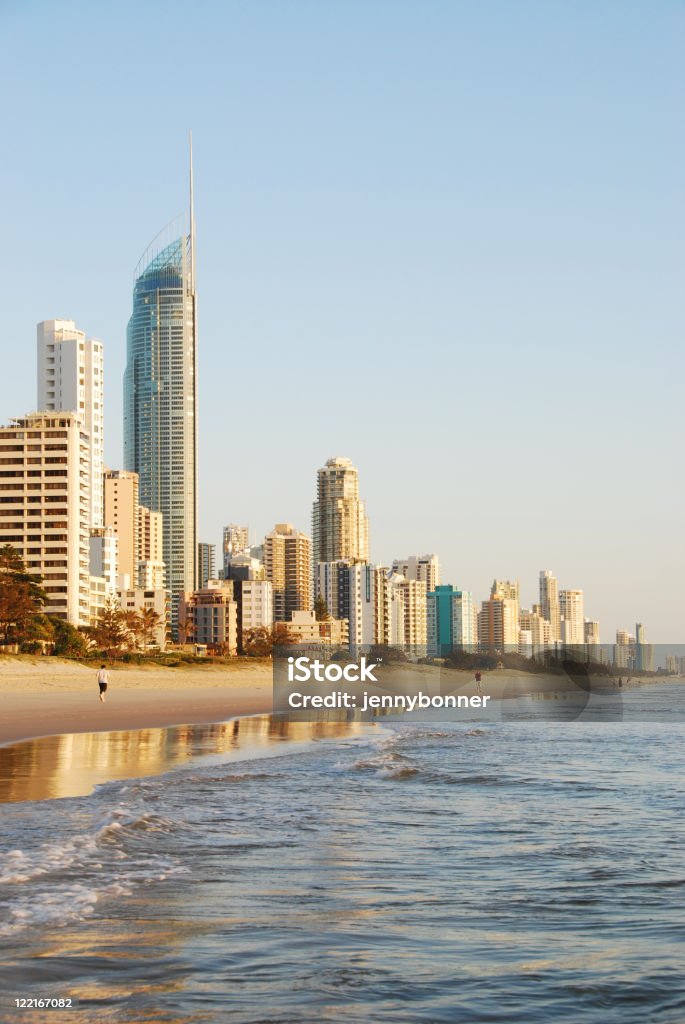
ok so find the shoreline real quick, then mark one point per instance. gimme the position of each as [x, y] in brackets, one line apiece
[43, 697]
[40, 697]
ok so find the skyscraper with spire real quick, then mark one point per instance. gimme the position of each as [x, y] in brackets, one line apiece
[160, 394]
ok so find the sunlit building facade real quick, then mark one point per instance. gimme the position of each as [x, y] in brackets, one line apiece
[160, 401]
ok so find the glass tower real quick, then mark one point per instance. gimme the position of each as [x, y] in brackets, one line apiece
[160, 399]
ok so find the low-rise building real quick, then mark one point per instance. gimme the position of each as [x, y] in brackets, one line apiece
[138, 600]
[210, 616]
[305, 628]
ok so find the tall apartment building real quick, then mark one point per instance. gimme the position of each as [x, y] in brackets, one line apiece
[160, 398]
[150, 535]
[340, 528]
[420, 567]
[121, 514]
[139, 531]
[403, 613]
[508, 591]
[498, 624]
[624, 649]
[549, 601]
[236, 541]
[244, 567]
[287, 564]
[45, 472]
[151, 567]
[536, 627]
[591, 631]
[255, 600]
[571, 618]
[206, 563]
[103, 566]
[644, 652]
[351, 592]
[451, 620]
[71, 379]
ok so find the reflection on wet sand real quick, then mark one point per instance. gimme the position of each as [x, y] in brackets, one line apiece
[72, 765]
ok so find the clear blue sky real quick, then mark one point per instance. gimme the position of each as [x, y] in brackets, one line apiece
[444, 239]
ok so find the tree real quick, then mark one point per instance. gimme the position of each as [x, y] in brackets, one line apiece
[257, 642]
[260, 642]
[110, 632]
[21, 596]
[321, 611]
[69, 642]
[149, 621]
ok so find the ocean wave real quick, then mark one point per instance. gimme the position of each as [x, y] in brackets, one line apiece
[38, 883]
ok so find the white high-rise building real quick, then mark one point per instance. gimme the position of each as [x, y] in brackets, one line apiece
[255, 604]
[70, 379]
[419, 567]
[103, 563]
[405, 613]
[45, 510]
[350, 590]
[571, 618]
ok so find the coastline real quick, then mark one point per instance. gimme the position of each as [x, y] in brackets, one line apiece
[49, 697]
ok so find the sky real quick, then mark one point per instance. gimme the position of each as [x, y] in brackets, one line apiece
[444, 239]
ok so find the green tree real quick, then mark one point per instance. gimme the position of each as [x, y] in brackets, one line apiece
[69, 642]
[149, 621]
[321, 611]
[21, 596]
[110, 632]
[260, 642]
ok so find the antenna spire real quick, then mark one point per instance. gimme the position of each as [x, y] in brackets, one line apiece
[192, 214]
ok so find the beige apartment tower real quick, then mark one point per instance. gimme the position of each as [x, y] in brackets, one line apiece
[549, 602]
[571, 618]
[420, 567]
[287, 562]
[45, 511]
[121, 513]
[139, 531]
[340, 528]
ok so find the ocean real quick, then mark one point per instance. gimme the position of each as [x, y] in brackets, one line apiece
[523, 870]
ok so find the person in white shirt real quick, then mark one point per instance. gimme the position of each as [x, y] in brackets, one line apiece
[103, 679]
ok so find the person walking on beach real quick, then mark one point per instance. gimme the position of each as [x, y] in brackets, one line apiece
[103, 679]
[478, 679]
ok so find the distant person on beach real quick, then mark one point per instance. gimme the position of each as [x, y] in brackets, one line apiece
[103, 679]
[478, 679]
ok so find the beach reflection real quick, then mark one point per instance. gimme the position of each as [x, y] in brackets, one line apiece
[73, 764]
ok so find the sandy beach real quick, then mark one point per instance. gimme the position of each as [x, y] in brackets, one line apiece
[47, 696]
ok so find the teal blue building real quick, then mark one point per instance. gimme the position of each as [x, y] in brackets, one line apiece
[451, 620]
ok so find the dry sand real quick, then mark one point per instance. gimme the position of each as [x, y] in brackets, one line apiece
[45, 696]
